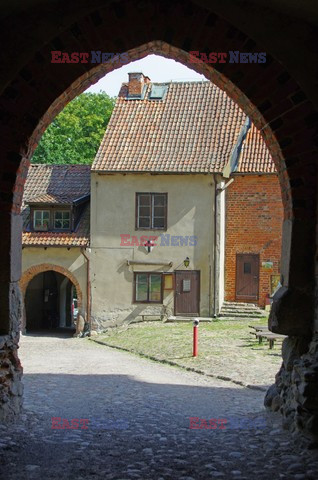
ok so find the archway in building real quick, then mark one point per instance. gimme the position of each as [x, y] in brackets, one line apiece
[51, 296]
[49, 303]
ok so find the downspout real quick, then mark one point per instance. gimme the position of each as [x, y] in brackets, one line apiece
[229, 168]
[216, 192]
[214, 248]
[88, 290]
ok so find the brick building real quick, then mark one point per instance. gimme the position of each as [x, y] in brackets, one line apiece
[254, 214]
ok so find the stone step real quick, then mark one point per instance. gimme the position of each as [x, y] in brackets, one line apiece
[241, 315]
[239, 305]
[225, 318]
[245, 309]
[248, 312]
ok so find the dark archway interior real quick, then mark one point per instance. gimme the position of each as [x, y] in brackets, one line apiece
[48, 302]
[280, 96]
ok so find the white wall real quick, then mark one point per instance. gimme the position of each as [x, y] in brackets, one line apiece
[190, 213]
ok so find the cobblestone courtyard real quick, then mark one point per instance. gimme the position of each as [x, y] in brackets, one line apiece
[143, 409]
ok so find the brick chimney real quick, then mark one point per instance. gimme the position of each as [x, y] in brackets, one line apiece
[136, 83]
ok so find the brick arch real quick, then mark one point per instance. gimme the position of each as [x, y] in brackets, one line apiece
[31, 272]
[279, 96]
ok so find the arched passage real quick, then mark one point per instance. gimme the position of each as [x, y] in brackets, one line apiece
[48, 303]
[31, 272]
[48, 292]
[277, 96]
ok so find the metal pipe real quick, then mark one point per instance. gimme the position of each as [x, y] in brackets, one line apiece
[195, 337]
[215, 238]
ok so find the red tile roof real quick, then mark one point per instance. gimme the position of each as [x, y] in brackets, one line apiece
[56, 184]
[192, 130]
[255, 156]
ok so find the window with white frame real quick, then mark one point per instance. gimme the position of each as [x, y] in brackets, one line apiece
[62, 220]
[41, 219]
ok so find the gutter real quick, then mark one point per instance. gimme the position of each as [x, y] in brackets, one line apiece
[88, 290]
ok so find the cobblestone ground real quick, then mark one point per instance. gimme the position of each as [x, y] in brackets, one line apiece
[138, 428]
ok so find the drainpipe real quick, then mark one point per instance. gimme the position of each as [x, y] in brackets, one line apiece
[217, 190]
[214, 247]
[229, 168]
[88, 290]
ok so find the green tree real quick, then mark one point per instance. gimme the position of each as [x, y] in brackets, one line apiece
[75, 134]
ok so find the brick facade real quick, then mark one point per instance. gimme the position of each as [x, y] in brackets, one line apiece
[254, 217]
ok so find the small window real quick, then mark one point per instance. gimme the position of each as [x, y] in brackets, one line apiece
[148, 288]
[186, 287]
[62, 220]
[151, 211]
[157, 92]
[247, 267]
[41, 220]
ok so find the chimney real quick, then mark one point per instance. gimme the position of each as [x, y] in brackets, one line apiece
[136, 83]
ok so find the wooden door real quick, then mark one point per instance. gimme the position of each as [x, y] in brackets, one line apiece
[247, 276]
[187, 292]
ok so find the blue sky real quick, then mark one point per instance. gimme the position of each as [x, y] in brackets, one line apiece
[158, 69]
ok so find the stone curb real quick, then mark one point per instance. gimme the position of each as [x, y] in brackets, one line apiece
[189, 369]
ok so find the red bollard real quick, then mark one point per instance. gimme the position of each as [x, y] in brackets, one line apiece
[195, 337]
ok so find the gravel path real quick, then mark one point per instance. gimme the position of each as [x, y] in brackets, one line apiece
[137, 415]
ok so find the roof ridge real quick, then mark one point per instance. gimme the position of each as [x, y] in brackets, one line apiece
[50, 165]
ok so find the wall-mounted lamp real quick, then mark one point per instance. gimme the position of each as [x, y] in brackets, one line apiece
[186, 262]
[149, 245]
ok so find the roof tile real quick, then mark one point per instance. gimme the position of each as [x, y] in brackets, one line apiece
[193, 129]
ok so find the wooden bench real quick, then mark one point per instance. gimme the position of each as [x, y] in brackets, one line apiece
[259, 328]
[270, 336]
[143, 315]
[261, 331]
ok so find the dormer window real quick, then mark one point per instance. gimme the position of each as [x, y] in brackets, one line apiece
[41, 220]
[62, 220]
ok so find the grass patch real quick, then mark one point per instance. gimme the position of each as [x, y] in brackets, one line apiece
[226, 348]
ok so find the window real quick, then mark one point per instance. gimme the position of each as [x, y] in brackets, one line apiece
[148, 288]
[62, 220]
[41, 219]
[151, 211]
[247, 267]
[158, 92]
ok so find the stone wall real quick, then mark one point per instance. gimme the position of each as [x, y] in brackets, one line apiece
[11, 387]
[295, 392]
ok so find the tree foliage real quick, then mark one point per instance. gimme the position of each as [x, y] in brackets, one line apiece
[75, 134]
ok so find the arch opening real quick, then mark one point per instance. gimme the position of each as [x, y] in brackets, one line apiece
[49, 303]
[52, 298]
[270, 91]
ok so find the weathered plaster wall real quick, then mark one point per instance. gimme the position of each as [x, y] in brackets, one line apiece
[190, 213]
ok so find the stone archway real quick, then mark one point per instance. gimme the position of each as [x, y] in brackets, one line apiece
[31, 272]
[279, 96]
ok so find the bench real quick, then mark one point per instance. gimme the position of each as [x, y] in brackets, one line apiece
[261, 331]
[259, 328]
[143, 315]
[271, 337]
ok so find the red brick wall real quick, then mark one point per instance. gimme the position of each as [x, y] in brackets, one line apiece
[254, 216]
